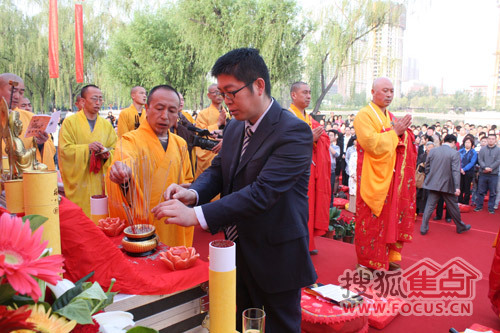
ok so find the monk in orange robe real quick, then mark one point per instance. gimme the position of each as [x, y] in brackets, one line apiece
[319, 182]
[146, 162]
[130, 118]
[212, 118]
[385, 203]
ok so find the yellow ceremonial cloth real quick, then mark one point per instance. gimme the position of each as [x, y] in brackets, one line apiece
[74, 156]
[49, 150]
[380, 155]
[207, 119]
[165, 168]
[126, 119]
[300, 115]
[188, 116]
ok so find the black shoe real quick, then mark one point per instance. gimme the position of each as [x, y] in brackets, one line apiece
[477, 209]
[313, 252]
[492, 211]
[466, 228]
[423, 233]
[435, 218]
[448, 220]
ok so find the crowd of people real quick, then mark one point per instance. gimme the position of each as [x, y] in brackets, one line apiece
[478, 171]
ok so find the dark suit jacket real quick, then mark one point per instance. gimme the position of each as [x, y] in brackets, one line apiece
[442, 169]
[265, 195]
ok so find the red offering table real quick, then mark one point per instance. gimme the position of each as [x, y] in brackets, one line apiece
[86, 248]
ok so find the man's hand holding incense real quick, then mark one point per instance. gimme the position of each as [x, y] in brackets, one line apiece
[176, 213]
[120, 173]
[181, 193]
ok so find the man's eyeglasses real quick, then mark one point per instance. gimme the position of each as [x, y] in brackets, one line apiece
[232, 94]
[96, 99]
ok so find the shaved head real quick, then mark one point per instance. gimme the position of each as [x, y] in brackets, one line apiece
[139, 95]
[382, 92]
[379, 81]
[6, 77]
[6, 88]
[297, 85]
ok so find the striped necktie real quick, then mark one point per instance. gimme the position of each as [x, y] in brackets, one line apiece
[231, 232]
[246, 140]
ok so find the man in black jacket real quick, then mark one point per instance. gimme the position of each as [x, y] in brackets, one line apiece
[489, 160]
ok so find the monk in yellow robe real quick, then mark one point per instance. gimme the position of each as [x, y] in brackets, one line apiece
[319, 191]
[43, 140]
[131, 117]
[46, 156]
[146, 162]
[212, 118]
[86, 144]
[385, 201]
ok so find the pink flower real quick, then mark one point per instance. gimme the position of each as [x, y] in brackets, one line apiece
[20, 260]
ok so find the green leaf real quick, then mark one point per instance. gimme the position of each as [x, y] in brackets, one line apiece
[6, 293]
[35, 221]
[77, 310]
[94, 292]
[20, 300]
[68, 296]
[141, 329]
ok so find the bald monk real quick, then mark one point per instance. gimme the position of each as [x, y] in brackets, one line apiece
[212, 118]
[45, 149]
[158, 153]
[319, 191]
[385, 202]
[131, 117]
[86, 143]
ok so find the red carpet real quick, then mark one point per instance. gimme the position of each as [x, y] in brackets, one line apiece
[441, 244]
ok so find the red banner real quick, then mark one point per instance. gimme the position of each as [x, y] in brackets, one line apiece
[53, 41]
[79, 42]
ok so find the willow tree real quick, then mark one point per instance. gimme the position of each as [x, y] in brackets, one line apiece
[150, 51]
[340, 27]
[214, 27]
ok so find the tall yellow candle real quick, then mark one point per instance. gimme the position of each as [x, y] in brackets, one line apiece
[41, 198]
[222, 286]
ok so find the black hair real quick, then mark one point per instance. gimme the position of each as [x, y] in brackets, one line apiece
[429, 138]
[351, 141]
[470, 138]
[162, 87]
[450, 138]
[85, 88]
[246, 65]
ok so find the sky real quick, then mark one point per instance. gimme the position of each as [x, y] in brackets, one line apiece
[453, 40]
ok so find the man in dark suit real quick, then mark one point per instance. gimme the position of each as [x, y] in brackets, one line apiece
[442, 179]
[262, 174]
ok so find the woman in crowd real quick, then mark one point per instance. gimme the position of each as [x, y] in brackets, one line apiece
[350, 149]
[468, 159]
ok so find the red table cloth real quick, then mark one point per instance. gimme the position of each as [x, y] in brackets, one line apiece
[86, 248]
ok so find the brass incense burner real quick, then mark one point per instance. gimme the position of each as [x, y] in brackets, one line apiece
[140, 240]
